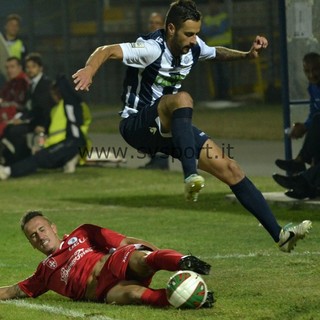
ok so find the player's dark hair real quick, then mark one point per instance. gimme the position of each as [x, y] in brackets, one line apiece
[30, 215]
[14, 59]
[311, 57]
[34, 57]
[181, 11]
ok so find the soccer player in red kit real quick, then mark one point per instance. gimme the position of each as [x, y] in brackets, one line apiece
[97, 264]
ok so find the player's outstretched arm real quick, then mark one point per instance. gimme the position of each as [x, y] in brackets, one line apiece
[83, 77]
[12, 292]
[226, 54]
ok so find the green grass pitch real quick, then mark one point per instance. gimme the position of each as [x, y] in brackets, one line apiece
[251, 278]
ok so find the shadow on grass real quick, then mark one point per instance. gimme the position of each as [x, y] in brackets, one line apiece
[207, 202]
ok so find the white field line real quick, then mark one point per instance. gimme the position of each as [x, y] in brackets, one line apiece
[259, 254]
[232, 256]
[55, 310]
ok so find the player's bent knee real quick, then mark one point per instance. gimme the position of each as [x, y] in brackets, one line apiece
[183, 100]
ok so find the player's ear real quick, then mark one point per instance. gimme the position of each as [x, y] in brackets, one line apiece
[171, 29]
[54, 228]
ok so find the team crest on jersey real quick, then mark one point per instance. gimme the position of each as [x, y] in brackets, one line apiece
[51, 263]
[137, 45]
[186, 59]
[72, 240]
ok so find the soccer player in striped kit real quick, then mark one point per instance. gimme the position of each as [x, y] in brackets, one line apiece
[157, 117]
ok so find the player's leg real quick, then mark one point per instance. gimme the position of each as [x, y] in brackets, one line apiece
[215, 162]
[132, 292]
[143, 264]
[175, 113]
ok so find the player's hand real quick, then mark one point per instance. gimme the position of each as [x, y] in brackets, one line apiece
[83, 78]
[258, 44]
[298, 130]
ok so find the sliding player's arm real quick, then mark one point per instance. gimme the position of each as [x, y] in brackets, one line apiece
[12, 292]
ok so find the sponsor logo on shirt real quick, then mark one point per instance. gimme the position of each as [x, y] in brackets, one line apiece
[76, 256]
[168, 81]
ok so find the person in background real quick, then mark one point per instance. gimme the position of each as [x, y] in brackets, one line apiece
[303, 185]
[15, 45]
[13, 94]
[310, 151]
[35, 117]
[216, 31]
[155, 22]
[159, 160]
[66, 135]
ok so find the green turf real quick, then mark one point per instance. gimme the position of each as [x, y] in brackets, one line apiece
[251, 278]
[250, 121]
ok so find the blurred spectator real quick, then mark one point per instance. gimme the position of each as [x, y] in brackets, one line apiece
[13, 94]
[159, 160]
[35, 117]
[310, 151]
[156, 21]
[66, 135]
[303, 185]
[216, 31]
[15, 45]
[40, 99]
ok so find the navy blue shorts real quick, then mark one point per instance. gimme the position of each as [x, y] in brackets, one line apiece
[141, 131]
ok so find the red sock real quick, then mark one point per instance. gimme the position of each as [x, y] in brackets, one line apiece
[156, 298]
[165, 259]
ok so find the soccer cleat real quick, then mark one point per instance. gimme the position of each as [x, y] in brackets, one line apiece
[193, 185]
[289, 235]
[209, 301]
[193, 263]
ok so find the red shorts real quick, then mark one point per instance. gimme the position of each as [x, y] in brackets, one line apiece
[114, 270]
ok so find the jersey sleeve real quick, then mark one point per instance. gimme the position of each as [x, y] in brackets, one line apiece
[104, 238]
[141, 53]
[206, 52]
[33, 286]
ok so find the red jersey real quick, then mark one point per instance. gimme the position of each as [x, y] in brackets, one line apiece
[15, 90]
[66, 270]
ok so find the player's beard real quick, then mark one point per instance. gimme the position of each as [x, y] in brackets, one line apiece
[178, 48]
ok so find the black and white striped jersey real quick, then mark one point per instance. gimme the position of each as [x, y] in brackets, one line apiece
[153, 71]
